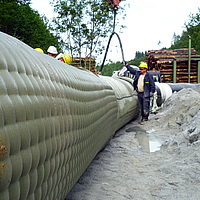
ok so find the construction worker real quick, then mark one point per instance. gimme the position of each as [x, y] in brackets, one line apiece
[66, 58]
[145, 86]
[52, 51]
[60, 57]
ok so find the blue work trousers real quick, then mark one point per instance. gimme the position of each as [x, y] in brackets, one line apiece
[144, 104]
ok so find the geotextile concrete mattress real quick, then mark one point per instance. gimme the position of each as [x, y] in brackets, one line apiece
[54, 119]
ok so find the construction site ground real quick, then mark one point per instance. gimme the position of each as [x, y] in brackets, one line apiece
[134, 166]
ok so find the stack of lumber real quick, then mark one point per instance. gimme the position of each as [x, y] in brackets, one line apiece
[84, 63]
[162, 60]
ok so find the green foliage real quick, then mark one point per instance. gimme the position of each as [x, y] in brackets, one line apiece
[193, 30]
[83, 21]
[139, 57]
[179, 42]
[109, 68]
[85, 24]
[69, 21]
[18, 19]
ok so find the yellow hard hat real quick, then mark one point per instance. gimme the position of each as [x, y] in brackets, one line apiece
[67, 58]
[40, 50]
[143, 65]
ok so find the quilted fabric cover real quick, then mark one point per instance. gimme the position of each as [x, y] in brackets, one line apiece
[54, 119]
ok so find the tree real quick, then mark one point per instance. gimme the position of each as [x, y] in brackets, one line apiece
[175, 38]
[86, 23]
[70, 21]
[179, 42]
[109, 68]
[192, 29]
[99, 23]
[139, 57]
[18, 19]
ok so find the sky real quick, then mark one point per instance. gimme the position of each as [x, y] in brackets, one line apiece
[147, 22]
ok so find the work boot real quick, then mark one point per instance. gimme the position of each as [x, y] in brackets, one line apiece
[144, 121]
[140, 121]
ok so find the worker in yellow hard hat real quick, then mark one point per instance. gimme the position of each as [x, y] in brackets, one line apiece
[39, 49]
[145, 86]
[143, 65]
[60, 57]
[66, 58]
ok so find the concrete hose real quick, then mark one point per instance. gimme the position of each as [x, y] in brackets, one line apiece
[54, 119]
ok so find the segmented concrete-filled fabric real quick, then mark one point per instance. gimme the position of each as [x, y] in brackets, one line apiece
[54, 119]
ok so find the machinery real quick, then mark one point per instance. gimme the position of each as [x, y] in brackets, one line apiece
[156, 75]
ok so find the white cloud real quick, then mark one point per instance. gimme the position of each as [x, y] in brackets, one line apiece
[43, 7]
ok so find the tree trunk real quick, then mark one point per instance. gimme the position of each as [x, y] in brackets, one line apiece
[79, 43]
[92, 33]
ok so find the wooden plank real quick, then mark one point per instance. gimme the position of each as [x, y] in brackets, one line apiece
[162, 60]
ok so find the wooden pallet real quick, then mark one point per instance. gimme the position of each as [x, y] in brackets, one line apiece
[162, 60]
[84, 63]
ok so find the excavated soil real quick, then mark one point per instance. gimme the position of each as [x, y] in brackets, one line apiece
[128, 169]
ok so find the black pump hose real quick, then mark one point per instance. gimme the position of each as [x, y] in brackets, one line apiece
[108, 48]
[100, 71]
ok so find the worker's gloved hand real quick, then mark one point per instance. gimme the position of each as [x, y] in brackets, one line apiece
[151, 94]
[124, 63]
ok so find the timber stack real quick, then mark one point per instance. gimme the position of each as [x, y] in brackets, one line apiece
[84, 63]
[163, 61]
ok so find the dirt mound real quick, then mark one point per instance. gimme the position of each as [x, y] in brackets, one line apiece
[177, 112]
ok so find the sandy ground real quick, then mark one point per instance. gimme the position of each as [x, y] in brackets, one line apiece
[126, 169]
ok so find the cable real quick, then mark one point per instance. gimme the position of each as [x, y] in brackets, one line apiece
[108, 48]
[102, 65]
[115, 13]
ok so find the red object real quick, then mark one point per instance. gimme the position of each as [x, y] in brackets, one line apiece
[116, 2]
[113, 3]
